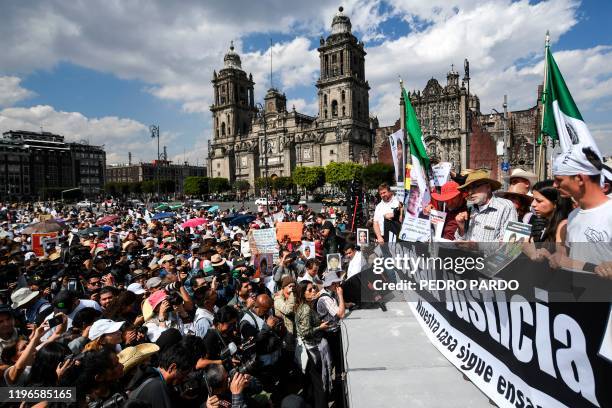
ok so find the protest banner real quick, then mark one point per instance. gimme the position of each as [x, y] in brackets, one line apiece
[292, 229]
[49, 244]
[523, 347]
[37, 238]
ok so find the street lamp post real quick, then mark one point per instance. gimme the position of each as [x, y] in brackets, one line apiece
[506, 151]
[262, 116]
[155, 134]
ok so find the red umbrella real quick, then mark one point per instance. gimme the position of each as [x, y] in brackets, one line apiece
[194, 222]
[107, 219]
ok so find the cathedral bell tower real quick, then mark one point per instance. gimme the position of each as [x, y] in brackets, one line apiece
[232, 110]
[343, 90]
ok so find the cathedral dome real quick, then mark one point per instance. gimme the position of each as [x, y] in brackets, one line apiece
[232, 59]
[341, 23]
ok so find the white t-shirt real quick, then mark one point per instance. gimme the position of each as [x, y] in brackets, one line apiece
[357, 264]
[383, 208]
[589, 234]
[83, 303]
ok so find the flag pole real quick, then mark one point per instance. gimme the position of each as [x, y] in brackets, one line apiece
[407, 155]
[541, 170]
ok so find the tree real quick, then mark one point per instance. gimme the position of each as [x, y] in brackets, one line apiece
[260, 182]
[218, 185]
[341, 174]
[282, 183]
[111, 187]
[136, 187]
[242, 186]
[377, 173]
[195, 185]
[309, 178]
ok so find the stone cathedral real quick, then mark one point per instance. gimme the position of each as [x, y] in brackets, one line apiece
[251, 140]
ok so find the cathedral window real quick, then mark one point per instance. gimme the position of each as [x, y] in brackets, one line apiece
[324, 100]
[359, 110]
[222, 128]
[334, 107]
[343, 96]
[344, 111]
[245, 128]
[325, 113]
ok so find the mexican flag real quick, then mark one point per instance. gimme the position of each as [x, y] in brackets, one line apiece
[420, 161]
[562, 120]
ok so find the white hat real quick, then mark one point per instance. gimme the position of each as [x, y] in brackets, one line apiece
[29, 256]
[330, 279]
[166, 258]
[22, 296]
[305, 278]
[520, 173]
[136, 288]
[104, 326]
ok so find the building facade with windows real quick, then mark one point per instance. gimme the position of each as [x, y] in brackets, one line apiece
[248, 142]
[39, 164]
[138, 172]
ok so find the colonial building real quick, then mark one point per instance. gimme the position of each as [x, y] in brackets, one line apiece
[251, 141]
[41, 164]
[162, 169]
[455, 130]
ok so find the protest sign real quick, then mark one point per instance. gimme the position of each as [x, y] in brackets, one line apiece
[279, 216]
[363, 237]
[517, 232]
[37, 238]
[396, 142]
[441, 173]
[49, 244]
[264, 241]
[308, 249]
[292, 229]
[415, 229]
[437, 219]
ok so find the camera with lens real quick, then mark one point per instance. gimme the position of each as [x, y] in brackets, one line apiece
[115, 401]
[245, 354]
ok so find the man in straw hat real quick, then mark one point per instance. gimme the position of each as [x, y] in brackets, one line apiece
[487, 215]
[521, 180]
[589, 227]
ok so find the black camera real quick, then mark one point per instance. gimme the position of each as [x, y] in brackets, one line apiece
[115, 401]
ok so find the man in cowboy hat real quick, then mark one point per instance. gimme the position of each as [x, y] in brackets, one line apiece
[522, 180]
[487, 215]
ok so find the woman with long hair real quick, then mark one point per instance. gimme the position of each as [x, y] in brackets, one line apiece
[548, 203]
[46, 362]
[312, 348]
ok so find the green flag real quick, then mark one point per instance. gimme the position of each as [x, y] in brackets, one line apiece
[562, 120]
[415, 137]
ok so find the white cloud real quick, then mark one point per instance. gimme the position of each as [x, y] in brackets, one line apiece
[11, 91]
[118, 135]
[302, 106]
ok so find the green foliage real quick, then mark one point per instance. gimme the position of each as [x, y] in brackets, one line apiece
[309, 178]
[218, 185]
[195, 185]
[260, 182]
[341, 174]
[242, 185]
[282, 183]
[377, 173]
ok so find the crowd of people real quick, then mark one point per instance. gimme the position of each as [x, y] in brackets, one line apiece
[140, 309]
[136, 308]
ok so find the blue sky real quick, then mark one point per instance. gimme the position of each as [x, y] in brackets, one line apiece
[104, 72]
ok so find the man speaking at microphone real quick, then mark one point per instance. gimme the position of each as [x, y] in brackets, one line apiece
[489, 215]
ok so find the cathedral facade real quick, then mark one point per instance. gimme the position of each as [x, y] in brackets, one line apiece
[252, 140]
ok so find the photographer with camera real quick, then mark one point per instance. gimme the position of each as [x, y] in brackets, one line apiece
[205, 296]
[160, 315]
[224, 391]
[68, 303]
[220, 336]
[156, 388]
[260, 325]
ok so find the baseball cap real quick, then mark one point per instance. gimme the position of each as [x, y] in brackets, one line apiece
[153, 282]
[63, 301]
[136, 288]
[330, 279]
[104, 326]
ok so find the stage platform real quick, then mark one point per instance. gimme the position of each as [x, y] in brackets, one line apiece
[391, 363]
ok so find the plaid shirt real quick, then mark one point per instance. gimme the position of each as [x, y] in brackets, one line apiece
[488, 222]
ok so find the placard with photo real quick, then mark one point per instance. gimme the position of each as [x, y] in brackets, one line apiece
[363, 237]
[308, 249]
[334, 262]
